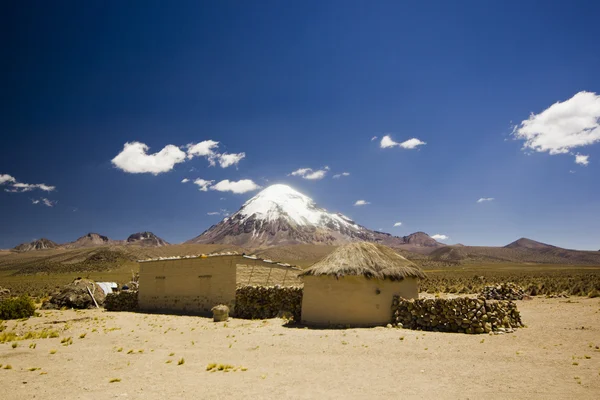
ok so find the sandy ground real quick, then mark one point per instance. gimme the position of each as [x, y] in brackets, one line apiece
[555, 357]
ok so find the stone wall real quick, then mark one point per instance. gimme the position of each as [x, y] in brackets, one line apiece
[260, 302]
[126, 300]
[464, 315]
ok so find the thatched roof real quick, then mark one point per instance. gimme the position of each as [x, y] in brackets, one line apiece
[365, 259]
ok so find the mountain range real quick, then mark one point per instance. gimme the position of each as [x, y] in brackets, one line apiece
[146, 239]
[282, 223]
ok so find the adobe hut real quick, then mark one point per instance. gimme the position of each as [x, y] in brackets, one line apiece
[355, 285]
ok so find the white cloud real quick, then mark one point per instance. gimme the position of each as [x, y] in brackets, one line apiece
[241, 186]
[202, 149]
[581, 159]
[300, 172]
[213, 213]
[309, 173]
[387, 142]
[412, 143]
[316, 175]
[44, 201]
[226, 160]
[361, 203]
[48, 203]
[18, 187]
[133, 159]
[562, 126]
[185, 180]
[484, 199]
[439, 236]
[336, 176]
[203, 184]
[373, 138]
[398, 224]
[28, 187]
[6, 178]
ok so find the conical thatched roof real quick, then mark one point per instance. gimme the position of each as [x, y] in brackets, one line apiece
[366, 259]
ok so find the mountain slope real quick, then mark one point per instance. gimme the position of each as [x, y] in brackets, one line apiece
[39, 244]
[146, 239]
[90, 240]
[525, 243]
[279, 215]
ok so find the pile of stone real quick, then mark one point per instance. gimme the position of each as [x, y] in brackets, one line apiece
[503, 291]
[461, 314]
[81, 293]
[261, 302]
[125, 300]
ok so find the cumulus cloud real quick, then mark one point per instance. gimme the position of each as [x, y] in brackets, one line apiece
[316, 175]
[387, 142]
[336, 176]
[203, 184]
[563, 126]
[300, 172]
[185, 180]
[361, 203]
[581, 159]
[205, 148]
[398, 224]
[134, 159]
[6, 178]
[439, 236]
[226, 160]
[213, 213]
[241, 186]
[484, 199]
[373, 138]
[310, 174]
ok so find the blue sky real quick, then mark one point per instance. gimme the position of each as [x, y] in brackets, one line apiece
[304, 85]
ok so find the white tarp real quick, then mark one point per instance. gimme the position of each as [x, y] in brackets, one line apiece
[107, 287]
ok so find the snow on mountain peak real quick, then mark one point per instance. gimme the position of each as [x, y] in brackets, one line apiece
[282, 201]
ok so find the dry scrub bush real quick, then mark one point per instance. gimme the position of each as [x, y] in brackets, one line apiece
[16, 308]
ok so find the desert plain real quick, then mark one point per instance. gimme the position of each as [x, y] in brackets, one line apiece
[101, 354]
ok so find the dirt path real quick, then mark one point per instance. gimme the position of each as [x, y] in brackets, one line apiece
[554, 357]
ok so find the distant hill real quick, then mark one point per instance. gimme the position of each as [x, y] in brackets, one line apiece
[525, 243]
[146, 239]
[39, 244]
[90, 240]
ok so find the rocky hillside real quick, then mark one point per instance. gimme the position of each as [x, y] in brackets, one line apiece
[90, 240]
[279, 215]
[147, 239]
[39, 244]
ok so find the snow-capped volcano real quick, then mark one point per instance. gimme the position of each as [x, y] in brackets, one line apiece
[281, 215]
[281, 201]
